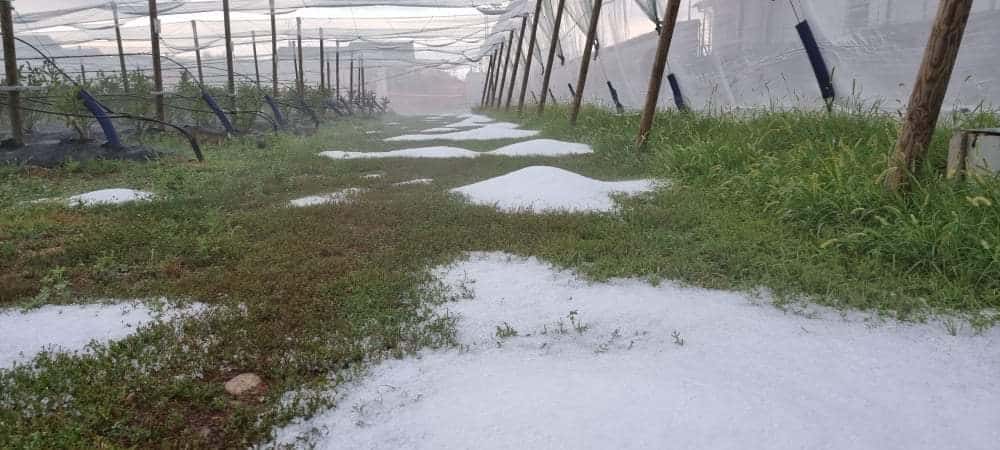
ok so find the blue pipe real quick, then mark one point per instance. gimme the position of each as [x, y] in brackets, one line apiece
[101, 115]
[218, 112]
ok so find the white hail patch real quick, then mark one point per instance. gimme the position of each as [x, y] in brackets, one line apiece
[333, 198]
[493, 131]
[551, 361]
[416, 181]
[109, 197]
[422, 152]
[542, 189]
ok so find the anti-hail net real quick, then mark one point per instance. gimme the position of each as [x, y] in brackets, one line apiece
[725, 53]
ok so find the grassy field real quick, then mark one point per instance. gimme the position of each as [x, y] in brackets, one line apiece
[788, 202]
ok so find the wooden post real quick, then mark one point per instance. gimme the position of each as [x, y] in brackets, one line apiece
[329, 76]
[336, 56]
[10, 67]
[496, 76]
[530, 54]
[256, 63]
[928, 92]
[517, 62]
[121, 49]
[154, 36]
[553, 45]
[197, 53]
[495, 58]
[486, 82]
[322, 63]
[506, 66]
[361, 76]
[350, 82]
[659, 64]
[295, 64]
[230, 74]
[301, 71]
[581, 81]
[274, 52]
[83, 74]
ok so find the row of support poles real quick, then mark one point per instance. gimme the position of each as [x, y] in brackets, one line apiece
[554, 44]
[197, 53]
[121, 50]
[10, 67]
[530, 54]
[581, 81]
[503, 76]
[517, 61]
[154, 36]
[659, 65]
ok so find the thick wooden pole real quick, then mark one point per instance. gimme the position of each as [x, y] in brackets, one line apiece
[295, 64]
[350, 81]
[274, 52]
[581, 81]
[329, 76]
[496, 76]
[336, 64]
[256, 63]
[506, 66]
[121, 49]
[301, 69]
[486, 82]
[230, 74]
[530, 54]
[928, 92]
[154, 36]
[322, 63]
[517, 62]
[659, 65]
[197, 53]
[553, 45]
[10, 67]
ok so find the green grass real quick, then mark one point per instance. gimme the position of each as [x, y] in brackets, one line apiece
[784, 201]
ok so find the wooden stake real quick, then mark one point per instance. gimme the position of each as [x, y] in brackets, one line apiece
[496, 76]
[10, 67]
[350, 82]
[530, 54]
[301, 70]
[295, 64]
[659, 64]
[928, 92]
[322, 63]
[517, 62]
[329, 76]
[83, 74]
[197, 53]
[506, 65]
[230, 74]
[154, 36]
[581, 81]
[121, 49]
[486, 82]
[553, 45]
[274, 52]
[256, 63]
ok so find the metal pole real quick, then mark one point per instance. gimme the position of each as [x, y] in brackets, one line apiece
[197, 53]
[301, 70]
[552, 54]
[154, 36]
[531, 53]
[256, 63]
[928, 92]
[659, 64]
[121, 50]
[517, 62]
[230, 75]
[10, 67]
[581, 81]
[322, 63]
[274, 52]
[506, 65]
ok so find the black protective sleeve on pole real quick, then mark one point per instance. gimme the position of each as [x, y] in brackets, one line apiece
[552, 54]
[529, 54]
[614, 98]
[10, 69]
[571, 90]
[816, 60]
[675, 88]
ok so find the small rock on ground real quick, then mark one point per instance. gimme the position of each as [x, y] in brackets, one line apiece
[243, 383]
